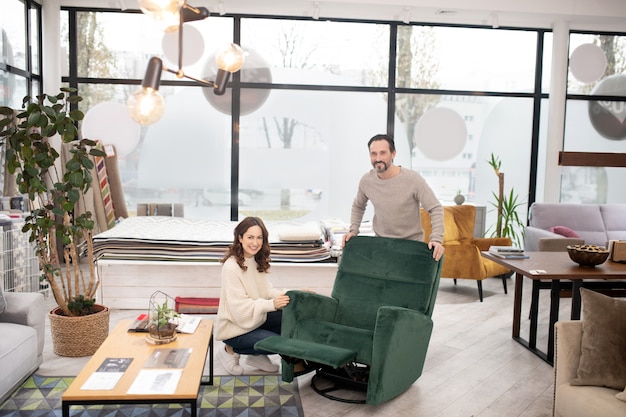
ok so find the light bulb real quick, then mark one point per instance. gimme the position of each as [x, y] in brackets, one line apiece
[230, 58]
[146, 106]
[150, 7]
[166, 13]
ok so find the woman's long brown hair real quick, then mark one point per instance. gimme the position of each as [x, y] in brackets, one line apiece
[262, 257]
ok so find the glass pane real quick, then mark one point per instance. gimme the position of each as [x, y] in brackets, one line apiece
[182, 158]
[302, 147]
[65, 46]
[547, 62]
[34, 39]
[107, 52]
[592, 126]
[14, 84]
[466, 58]
[319, 52]
[13, 34]
[597, 65]
[456, 160]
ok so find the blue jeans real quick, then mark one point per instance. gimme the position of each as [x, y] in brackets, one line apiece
[244, 344]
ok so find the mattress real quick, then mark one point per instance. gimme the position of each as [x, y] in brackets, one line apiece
[176, 238]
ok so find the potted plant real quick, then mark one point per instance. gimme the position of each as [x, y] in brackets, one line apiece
[162, 320]
[55, 227]
[508, 223]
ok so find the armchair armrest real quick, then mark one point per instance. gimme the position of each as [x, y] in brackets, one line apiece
[483, 243]
[567, 337]
[306, 305]
[401, 338]
[26, 309]
[533, 234]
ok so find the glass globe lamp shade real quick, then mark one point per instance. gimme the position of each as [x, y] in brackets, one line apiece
[145, 106]
[230, 58]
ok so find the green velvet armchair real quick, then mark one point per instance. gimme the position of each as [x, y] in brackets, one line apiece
[377, 322]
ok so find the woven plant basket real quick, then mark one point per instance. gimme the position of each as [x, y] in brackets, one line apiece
[78, 336]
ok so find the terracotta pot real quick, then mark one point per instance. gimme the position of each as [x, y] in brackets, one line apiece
[78, 336]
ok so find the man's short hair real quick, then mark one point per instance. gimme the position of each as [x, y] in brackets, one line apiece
[388, 138]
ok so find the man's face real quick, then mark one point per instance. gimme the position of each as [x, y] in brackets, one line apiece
[380, 156]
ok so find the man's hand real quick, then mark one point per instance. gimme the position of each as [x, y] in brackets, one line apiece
[437, 249]
[346, 238]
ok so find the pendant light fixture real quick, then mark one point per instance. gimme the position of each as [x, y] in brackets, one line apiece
[146, 105]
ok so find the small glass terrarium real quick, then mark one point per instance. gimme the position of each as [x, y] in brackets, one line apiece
[163, 319]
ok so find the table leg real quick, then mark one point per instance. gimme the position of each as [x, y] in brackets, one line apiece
[65, 407]
[555, 298]
[576, 284]
[517, 304]
[211, 360]
[210, 381]
[534, 312]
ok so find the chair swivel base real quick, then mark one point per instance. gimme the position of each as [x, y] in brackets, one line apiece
[351, 379]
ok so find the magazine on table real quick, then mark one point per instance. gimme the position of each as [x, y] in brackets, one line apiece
[506, 250]
[107, 374]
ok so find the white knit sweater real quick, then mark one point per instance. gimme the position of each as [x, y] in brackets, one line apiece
[246, 298]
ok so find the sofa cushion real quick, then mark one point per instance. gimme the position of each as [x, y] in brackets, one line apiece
[18, 356]
[603, 344]
[3, 301]
[614, 220]
[563, 231]
[621, 395]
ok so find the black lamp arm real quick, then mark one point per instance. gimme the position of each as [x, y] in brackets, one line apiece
[219, 85]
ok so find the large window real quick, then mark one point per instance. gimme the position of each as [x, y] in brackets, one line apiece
[311, 94]
[20, 31]
[596, 111]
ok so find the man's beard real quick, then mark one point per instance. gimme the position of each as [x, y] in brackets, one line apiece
[384, 168]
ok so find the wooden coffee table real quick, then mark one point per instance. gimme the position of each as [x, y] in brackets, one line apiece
[551, 268]
[123, 344]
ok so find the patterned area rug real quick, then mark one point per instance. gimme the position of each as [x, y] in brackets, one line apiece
[245, 396]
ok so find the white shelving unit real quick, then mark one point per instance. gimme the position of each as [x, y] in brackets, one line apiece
[19, 265]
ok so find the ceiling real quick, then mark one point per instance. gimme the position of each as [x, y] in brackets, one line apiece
[606, 15]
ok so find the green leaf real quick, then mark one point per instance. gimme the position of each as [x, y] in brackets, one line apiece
[76, 179]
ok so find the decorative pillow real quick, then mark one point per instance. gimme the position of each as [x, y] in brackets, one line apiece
[563, 231]
[603, 344]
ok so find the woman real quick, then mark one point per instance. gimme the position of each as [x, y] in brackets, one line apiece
[250, 308]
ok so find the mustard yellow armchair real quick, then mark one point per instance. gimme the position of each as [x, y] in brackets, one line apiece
[462, 257]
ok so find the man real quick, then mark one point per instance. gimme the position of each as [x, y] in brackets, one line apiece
[396, 194]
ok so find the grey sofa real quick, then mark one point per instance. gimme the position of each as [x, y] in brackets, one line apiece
[22, 326]
[582, 400]
[595, 223]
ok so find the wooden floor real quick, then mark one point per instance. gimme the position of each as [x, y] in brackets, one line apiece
[473, 366]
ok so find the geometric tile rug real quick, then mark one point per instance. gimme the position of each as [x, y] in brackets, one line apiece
[229, 396]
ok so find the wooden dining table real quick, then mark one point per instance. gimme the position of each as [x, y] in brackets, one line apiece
[557, 272]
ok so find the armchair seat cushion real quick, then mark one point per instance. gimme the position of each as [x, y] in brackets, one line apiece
[353, 339]
[308, 350]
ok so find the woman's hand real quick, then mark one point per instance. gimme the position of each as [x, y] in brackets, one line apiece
[281, 301]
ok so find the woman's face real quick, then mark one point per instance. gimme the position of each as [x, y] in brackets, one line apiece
[251, 241]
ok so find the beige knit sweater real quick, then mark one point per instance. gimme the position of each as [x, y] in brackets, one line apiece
[246, 298]
[397, 203]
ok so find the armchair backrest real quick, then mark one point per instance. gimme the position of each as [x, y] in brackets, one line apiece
[458, 223]
[378, 271]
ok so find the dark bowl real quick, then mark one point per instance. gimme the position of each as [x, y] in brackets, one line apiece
[587, 255]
